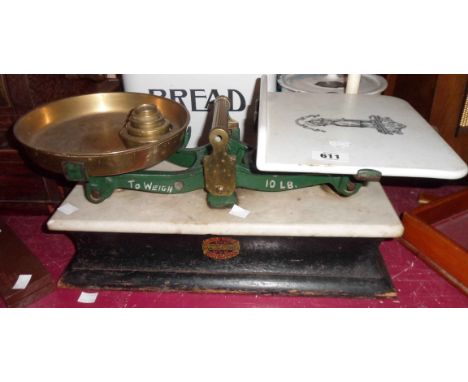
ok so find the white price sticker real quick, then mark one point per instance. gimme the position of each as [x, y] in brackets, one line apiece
[330, 156]
[67, 209]
[22, 282]
[88, 298]
[239, 211]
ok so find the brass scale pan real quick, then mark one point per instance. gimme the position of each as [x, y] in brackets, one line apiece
[88, 129]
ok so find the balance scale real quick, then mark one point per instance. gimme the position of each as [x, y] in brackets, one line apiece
[303, 213]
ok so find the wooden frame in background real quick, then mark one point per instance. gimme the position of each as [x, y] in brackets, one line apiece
[448, 257]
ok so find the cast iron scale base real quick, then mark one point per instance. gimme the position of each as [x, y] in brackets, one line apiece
[264, 265]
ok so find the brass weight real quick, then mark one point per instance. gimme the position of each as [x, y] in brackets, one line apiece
[146, 124]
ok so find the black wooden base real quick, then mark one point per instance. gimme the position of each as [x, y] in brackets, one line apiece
[271, 265]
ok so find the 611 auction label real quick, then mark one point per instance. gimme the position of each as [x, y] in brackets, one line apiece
[330, 156]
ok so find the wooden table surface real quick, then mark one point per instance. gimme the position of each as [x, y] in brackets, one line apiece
[417, 285]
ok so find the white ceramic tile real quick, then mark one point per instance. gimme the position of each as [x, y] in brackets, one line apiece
[342, 134]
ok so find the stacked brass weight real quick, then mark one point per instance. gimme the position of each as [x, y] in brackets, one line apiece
[146, 124]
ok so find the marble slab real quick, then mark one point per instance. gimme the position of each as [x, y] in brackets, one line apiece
[342, 134]
[304, 212]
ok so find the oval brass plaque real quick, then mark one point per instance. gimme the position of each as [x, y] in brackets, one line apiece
[221, 248]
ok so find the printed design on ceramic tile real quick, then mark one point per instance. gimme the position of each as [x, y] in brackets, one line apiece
[383, 125]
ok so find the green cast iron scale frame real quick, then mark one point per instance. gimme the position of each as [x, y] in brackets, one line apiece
[97, 189]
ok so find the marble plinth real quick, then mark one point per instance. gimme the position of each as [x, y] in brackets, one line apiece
[305, 212]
